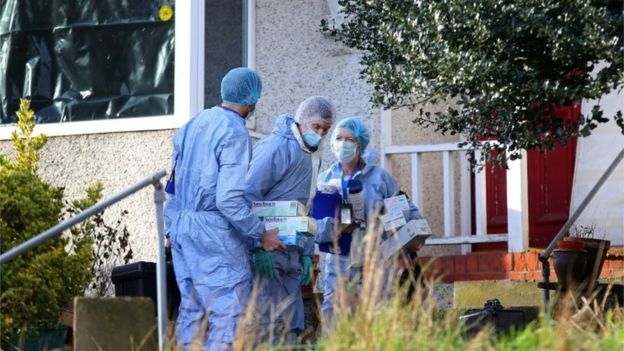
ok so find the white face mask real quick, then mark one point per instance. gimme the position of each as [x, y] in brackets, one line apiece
[344, 150]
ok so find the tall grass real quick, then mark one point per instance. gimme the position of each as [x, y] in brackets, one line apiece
[383, 315]
[377, 312]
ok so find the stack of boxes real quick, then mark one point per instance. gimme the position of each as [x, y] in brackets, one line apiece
[401, 232]
[289, 217]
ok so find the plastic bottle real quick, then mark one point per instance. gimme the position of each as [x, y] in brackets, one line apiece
[356, 199]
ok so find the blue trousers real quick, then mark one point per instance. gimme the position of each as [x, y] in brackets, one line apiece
[212, 301]
[335, 266]
[279, 304]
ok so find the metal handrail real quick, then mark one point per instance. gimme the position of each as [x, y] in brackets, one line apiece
[159, 199]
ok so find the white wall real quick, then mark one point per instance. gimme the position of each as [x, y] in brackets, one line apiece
[594, 154]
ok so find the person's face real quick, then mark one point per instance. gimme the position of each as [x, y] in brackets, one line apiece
[345, 147]
[320, 127]
[343, 135]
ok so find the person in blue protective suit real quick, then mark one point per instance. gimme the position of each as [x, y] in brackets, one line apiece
[285, 166]
[349, 142]
[209, 220]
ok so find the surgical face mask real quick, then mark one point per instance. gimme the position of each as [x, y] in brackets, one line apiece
[312, 139]
[344, 150]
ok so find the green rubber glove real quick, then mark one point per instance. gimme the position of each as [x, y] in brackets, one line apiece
[306, 270]
[264, 263]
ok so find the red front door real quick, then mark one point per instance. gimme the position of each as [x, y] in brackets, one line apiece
[550, 187]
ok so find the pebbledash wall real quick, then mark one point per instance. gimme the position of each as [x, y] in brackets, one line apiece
[295, 61]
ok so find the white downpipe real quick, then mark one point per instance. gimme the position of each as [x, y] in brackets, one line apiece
[249, 22]
[251, 34]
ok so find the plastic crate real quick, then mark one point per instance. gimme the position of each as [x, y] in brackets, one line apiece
[135, 279]
[139, 279]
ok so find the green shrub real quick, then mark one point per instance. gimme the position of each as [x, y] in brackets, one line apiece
[38, 284]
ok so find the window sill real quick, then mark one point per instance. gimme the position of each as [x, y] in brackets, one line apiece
[100, 126]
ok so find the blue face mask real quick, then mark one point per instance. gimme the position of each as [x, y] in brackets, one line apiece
[312, 139]
[344, 150]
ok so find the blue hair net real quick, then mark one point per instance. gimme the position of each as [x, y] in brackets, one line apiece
[355, 126]
[241, 86]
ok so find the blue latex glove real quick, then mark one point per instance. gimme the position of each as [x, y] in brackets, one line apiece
[263, 261]
[306, 270]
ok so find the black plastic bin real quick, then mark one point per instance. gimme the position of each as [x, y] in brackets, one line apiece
[139, 279]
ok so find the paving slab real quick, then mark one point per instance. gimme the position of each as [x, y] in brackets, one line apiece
[113, 324]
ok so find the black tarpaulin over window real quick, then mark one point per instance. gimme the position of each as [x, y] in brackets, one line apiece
[86, 59]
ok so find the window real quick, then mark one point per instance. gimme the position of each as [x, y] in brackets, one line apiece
[224, 49]
[87, 60]
[210, 37]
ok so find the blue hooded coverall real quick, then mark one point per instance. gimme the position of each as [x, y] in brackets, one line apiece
[281, 169]
[377, 185]
[211, 225]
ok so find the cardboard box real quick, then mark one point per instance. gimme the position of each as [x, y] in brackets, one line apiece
[278, 208]
[414, 232]
[292, 239]
[397, 204]
[292, 230]
[393, 220]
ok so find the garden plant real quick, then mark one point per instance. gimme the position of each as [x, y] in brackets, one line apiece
[39, 284]
[499, 68]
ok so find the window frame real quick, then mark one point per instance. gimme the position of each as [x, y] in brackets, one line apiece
[188, 78]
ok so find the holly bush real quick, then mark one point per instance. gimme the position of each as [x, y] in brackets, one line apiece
[38, 284]
[501, 66]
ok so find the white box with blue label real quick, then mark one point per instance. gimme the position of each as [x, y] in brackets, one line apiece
[393, 220]
[414, 232]
[397, 204]
[397, 212]
[293, 231]
[278, 208]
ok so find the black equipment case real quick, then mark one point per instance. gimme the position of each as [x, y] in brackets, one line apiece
[503, 320]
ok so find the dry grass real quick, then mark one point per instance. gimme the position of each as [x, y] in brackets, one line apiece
[377, 313]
